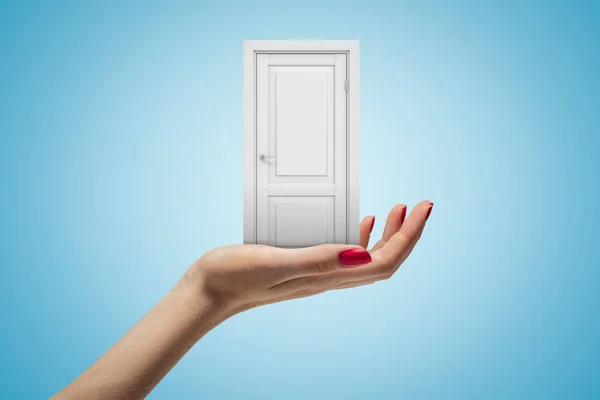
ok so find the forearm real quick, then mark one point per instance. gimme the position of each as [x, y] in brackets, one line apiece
[140, 359]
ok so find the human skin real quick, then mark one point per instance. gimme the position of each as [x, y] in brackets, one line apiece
[229, 280]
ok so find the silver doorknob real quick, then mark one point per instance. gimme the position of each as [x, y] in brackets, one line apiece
[266, 158]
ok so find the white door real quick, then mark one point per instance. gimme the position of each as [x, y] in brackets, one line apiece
[301, 149]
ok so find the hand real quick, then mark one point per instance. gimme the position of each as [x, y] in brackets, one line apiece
[246, 276]
[228, 280]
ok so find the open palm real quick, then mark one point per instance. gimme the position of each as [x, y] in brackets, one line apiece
[246, 276]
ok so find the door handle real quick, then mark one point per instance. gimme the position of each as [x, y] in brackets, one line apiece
[266, 158]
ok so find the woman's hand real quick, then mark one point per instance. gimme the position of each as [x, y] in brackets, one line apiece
[245, 276]
[228, 280]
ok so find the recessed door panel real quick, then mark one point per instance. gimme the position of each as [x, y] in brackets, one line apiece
[301, 221]
[302, 111]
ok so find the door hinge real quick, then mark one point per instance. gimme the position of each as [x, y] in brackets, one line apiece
[347, 85]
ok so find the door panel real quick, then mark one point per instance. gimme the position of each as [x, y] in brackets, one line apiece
[301, 118]
[301, 221]
[301, 108]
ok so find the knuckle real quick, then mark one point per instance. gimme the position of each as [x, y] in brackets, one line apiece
[388, 269]
[320, 267]
[386, 256]
[333, 283]
[380, 243]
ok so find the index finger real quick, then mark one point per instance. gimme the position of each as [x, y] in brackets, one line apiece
[391, 254]
[366, 227]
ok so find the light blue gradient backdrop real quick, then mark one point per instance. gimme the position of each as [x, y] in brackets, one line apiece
[121, 163]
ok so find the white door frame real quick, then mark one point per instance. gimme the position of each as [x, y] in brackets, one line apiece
[251, 49]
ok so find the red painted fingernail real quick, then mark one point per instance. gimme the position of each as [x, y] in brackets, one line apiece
[372, 225]
[403, 215]
[429, 211]
[353, 257]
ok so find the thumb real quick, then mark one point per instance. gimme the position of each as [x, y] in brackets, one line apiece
[321, 259]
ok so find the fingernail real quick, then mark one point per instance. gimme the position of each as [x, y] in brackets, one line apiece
[429, 211]
[372, 225]
[353, 257]
[403, 215]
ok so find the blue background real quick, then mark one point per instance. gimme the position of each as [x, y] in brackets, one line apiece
[121, 163]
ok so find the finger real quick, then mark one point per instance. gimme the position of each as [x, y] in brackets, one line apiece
[366, 227]
[320, 266]
[385, 261]
[322, 259]
[395, 249]
[349, 282]
[407, 253]
[392, 225]
[394, 221]
[390, 256]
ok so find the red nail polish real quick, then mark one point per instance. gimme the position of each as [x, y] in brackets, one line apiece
[403, 215]
[372, 225]
[354, 257]
[429, 212]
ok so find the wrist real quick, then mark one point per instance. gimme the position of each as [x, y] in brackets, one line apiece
[205, 305]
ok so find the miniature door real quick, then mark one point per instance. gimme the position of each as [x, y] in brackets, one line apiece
[301, 157]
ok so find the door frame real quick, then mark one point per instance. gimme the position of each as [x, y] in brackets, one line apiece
[349, 47]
